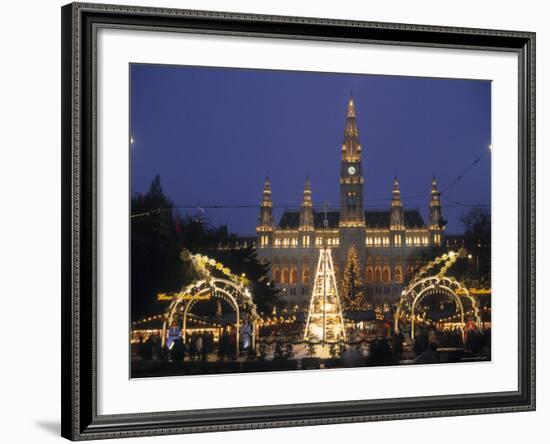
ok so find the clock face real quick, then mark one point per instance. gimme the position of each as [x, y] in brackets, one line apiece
[351, 170]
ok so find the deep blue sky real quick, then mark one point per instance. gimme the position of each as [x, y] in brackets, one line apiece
[213, 134]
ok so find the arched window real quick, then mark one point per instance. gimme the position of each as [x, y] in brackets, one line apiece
[284, 276]
[369, 274]
[276, 273]
[398, 275]
[386, 275]
[377, 274]
[293, 276]
[305, 275]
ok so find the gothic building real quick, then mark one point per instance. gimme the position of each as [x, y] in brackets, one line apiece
[387, 243]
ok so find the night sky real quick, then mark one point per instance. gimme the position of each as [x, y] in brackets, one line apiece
[213, 134]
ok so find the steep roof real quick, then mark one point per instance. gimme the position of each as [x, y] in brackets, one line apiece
[291, 219]
[373, 218]
[381, 219]
[413, 219]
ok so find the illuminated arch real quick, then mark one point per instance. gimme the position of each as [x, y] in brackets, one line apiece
[377, 274]
[386, 275]
[410, 298]
[305, 275]
[237, 296]
[276, 275]
[398, 274]
[284, 276]
[293, 275]
[369, 274]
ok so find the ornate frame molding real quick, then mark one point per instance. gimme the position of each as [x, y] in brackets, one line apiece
[80, 22]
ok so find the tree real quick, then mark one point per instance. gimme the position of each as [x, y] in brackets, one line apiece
[352, 286]
[477, 240]
[245, 261]
[155, 263]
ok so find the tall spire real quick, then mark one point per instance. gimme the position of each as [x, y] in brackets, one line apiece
[396, 197]
[397, 221]
[266, 208]
[435, 205]
[307, 202]
[437, 225]
[306, 208]
[351, 174]
[266, 199]
[351, 148]
[436, 195]
[351, 106]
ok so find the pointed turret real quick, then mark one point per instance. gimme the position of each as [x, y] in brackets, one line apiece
[396, 194]
[306, 208]
[435, 205]
[265, 219]
[397, 221]
[437, 224]
[266, 195]
[351, 148]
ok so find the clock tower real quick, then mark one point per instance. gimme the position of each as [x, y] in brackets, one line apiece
[351, 174]
[352, 213]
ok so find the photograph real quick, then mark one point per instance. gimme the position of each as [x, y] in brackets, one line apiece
[297, 220]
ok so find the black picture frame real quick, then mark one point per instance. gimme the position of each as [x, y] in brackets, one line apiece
[79, 171]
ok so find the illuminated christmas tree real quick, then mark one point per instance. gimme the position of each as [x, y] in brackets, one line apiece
[352, 286]
[324, 322]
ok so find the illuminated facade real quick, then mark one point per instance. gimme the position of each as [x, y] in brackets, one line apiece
[387, 241]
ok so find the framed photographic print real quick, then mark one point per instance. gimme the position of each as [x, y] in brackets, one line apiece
[278, 221]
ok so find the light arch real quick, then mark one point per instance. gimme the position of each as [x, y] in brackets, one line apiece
[417, 290]
[238, 297]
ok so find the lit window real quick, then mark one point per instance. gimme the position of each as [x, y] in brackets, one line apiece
[305, 275]
[293, 276]
[284, 276]
[398, 275]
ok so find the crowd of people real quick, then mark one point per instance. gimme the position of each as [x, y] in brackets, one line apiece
[227, 345]
[427, 347]
[196, 347]
[386, 347]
